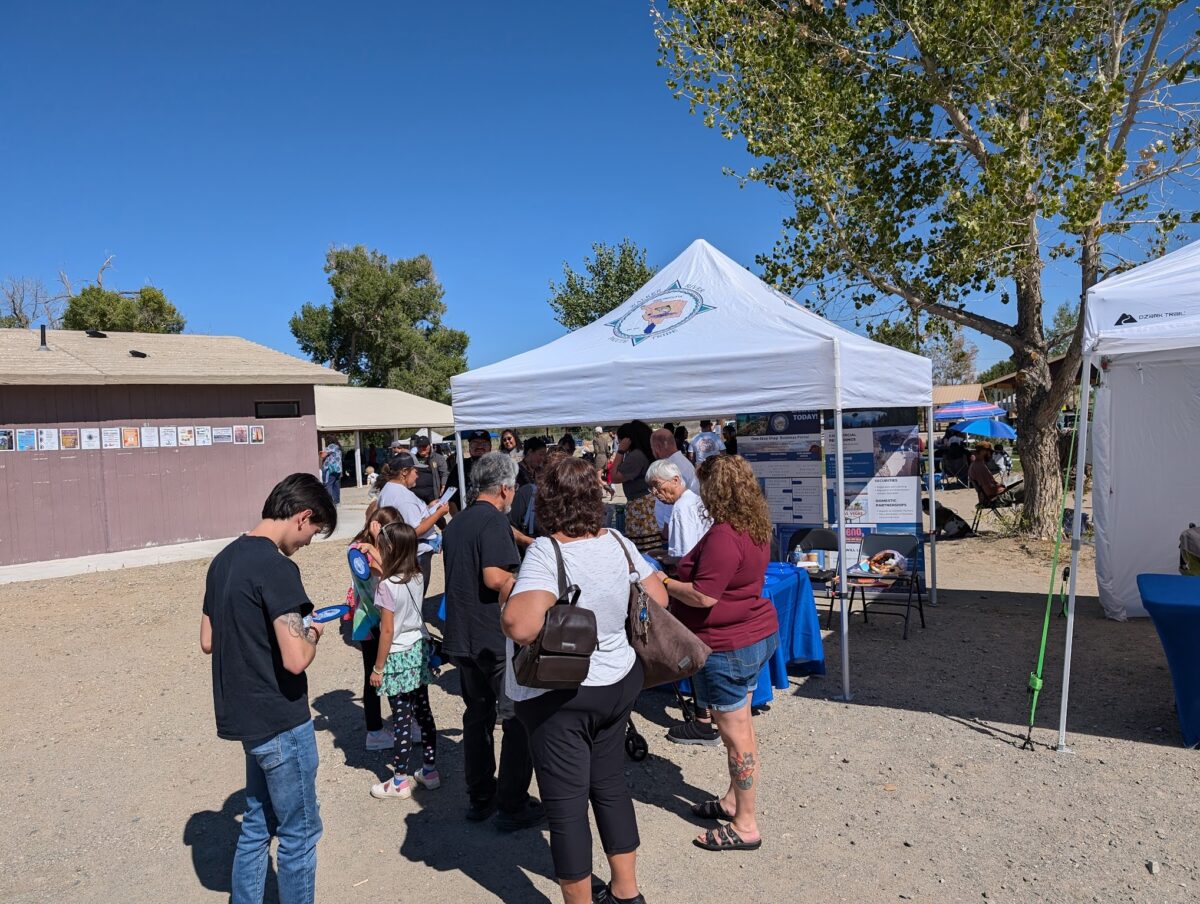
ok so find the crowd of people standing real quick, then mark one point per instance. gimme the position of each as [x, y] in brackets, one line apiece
[533, 519]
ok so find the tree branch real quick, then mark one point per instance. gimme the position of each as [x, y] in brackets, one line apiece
[1139, 84]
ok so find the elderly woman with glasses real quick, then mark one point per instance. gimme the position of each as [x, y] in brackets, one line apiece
[689, 519]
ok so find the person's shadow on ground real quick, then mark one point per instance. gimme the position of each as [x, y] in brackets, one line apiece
[212, 835]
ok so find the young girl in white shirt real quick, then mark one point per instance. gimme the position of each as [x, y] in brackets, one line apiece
[401, 671]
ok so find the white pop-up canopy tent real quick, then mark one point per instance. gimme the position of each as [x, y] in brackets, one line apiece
[1142, 330]
[703, 335]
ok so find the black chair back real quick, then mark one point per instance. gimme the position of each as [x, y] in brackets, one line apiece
[820, 538]
[906, 544]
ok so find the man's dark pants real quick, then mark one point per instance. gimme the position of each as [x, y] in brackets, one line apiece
[482, 682]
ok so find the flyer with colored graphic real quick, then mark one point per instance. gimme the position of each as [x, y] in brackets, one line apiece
[130, 438]
[68, 438]
[187, 436]
[27, 440]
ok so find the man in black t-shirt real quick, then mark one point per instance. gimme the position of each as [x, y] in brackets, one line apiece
[481, 557]
[253, 626]
[479, 444]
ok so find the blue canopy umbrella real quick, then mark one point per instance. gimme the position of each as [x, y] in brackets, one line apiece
[986, 427]
[957, 411]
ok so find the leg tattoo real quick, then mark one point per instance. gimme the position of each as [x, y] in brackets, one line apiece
[741, 769]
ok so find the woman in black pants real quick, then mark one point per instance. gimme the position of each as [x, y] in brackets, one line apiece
[576, 737]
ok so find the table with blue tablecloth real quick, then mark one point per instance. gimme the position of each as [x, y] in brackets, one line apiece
[1173, 601]
[790, 591]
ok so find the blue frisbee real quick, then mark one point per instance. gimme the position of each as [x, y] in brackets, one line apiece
[359, 564]
[329, 613]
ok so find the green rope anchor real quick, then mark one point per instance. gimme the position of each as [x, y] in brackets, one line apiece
[1036, 682]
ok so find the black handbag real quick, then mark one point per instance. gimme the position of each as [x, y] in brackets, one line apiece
[561, 654]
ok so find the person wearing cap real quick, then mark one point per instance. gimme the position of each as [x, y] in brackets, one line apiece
[399, 475]
[479, 444]
[987, 487]
[432, 470]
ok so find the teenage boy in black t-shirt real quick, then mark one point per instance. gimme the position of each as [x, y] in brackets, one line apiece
[253, 625]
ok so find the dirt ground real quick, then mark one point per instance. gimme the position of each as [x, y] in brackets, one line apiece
[117, 788]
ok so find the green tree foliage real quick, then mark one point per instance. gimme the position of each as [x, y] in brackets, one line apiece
[383, 326]
[1062, 327]
[939, 152]
[144, 311]
[610, 278]
[952, 353]
[997, 370]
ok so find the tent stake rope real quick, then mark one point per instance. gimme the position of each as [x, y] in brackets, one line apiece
[1035, 677]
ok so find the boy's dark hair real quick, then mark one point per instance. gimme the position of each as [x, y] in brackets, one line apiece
[298, 492]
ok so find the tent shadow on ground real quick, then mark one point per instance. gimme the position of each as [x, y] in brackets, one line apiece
[972, 665]
[212, 835]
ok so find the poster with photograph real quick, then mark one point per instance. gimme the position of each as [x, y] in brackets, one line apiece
[204, 436]
[258, 434]
[168, 437]
[110, 437]
[187, 436]
[89, 438]
[130, 438]
[8, 441]
[222, 435]
[47, 439]
[149, 437]
[68, 438]
[241, 434]
[26, 440]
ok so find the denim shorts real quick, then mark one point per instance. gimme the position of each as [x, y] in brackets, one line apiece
[727, 679]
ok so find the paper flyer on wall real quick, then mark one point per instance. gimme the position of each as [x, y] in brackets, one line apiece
[203, 435]
[89, 437]
[68, 438]
[110, 437]
[222, 435]
[130, 438]
[27, 440]
[149, 437]
[784, 449]
[47, 440]
[187, 436]
[168, 437]
[8, 441]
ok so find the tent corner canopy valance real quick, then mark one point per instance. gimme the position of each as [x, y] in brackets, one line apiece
[704, 336]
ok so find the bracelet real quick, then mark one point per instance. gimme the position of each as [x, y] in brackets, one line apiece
[666, 580]
[376, 670]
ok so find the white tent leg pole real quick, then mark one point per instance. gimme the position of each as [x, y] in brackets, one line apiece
[1081, 419]
[462, 473]
[358, 469]
[844, 641]
[931, 578]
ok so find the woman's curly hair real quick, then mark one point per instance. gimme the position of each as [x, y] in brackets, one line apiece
[569, 499]
[732, 496]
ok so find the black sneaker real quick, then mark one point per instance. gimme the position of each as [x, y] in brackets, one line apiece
[481, 810]
[704, 733]
[532, 814]
[604, 895]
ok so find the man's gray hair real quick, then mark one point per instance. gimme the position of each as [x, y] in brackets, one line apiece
[663, 471]
[494, 470]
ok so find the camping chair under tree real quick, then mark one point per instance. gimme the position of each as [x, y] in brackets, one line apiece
[908, 546]
[993, 505]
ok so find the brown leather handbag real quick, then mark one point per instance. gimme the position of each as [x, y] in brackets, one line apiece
[561, 654]
[667, 649]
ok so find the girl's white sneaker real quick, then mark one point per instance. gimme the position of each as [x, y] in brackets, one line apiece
[428, 779]
[389, 790]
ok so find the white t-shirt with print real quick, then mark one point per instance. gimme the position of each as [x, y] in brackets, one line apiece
[403, 599]
[411, 509]
[689, 522]
[598, 567]
[706, 444]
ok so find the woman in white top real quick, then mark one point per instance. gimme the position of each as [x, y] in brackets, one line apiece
[400, 475]
[576, 736]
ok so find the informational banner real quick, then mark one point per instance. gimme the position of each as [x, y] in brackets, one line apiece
[784, 449]
[882, 453]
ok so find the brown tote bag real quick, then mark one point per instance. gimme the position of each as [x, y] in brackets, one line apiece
[667, 649]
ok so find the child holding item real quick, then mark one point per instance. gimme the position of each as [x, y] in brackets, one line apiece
[401, 671]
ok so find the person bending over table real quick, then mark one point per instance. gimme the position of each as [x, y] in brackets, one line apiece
[718, 595]
[987, 487]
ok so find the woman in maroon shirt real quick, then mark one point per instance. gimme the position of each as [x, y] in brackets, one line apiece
[719, 596]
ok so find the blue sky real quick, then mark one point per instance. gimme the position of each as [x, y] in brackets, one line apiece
[218, 150]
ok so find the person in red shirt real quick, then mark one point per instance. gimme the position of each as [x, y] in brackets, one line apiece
[718, 595]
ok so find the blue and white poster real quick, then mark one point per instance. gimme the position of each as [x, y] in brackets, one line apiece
[784, 449]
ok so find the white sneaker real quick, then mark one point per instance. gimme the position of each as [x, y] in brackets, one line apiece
[389, 790]
[380, 740]
[428, 778]
[416, 732]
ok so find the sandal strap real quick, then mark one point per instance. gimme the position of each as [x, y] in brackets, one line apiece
[730, 835]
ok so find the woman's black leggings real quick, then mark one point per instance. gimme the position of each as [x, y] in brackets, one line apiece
[577, 740]
[371, 707]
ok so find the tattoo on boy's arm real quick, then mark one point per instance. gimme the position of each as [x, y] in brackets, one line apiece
[741, 769]
[295, 625]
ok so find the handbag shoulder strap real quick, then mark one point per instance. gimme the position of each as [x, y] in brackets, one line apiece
[562, 568]
[628, 559]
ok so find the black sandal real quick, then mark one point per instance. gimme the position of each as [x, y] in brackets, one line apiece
[710, 809]
[724, 838]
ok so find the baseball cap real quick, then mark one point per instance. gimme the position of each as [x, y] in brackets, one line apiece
[398, 444]
[533, 444]
[420, 441]
[477, 434]
[599, 429]
[401, 460]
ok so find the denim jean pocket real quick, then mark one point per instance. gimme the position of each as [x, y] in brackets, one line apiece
[269, 753]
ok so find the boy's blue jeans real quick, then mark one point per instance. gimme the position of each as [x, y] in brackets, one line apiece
[281, 800]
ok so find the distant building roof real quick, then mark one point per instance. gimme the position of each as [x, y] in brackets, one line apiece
[77, 359]
[962, 392]
[342, 408]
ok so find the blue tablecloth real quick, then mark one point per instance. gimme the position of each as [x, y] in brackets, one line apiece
[790, 591]
[1173, 601]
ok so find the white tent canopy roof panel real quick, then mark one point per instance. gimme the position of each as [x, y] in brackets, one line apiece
[704, 336]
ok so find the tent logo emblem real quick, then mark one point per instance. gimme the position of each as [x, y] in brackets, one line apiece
[659, 315]
[1125, 320]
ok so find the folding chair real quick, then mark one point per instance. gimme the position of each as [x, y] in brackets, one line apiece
[820, 539]
[906, 545]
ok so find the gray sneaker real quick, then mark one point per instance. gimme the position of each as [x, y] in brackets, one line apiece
[704, 733]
